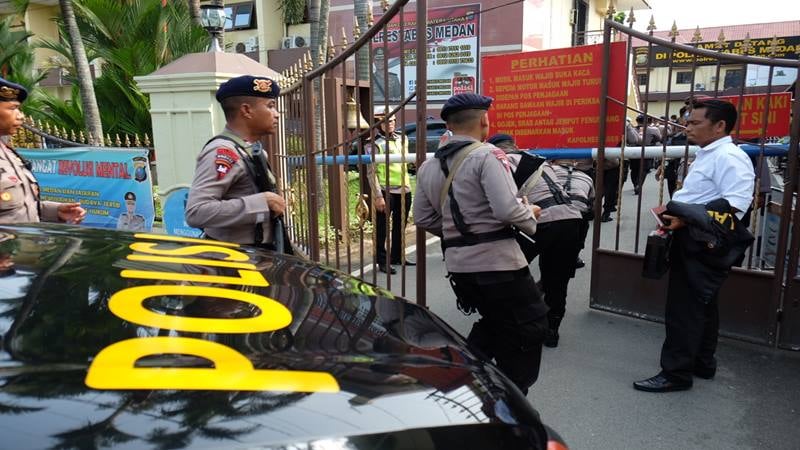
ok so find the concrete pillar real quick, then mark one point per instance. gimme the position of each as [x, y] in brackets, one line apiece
[184, 111]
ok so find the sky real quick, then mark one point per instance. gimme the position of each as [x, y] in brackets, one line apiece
[710, 13]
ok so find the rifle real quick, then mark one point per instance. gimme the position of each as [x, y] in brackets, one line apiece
[265, 184]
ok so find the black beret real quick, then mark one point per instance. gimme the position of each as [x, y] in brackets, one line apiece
[499, 137]
[248, 86]
[10, 92]
[130, 196]
[460, 102]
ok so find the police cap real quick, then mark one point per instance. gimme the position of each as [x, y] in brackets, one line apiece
[500, 137]
[248, 86]
[130, 196]
[10, 92]
[460, 102]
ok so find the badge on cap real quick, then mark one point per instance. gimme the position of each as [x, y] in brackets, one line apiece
[262, 85]
[224, 161]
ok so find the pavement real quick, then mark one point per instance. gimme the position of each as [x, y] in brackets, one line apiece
[584, 389]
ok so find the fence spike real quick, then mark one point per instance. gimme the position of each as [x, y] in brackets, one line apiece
[631, 18]
[321, 55]
[746, 44]
[127, 140]
[308, 58]
[344, 39]
[721, 39]
[696, 37]
[81, 137]
[773, 46]
[108, 141]
[146, 140]
[331, 47]
[136, 141]
[370, 17]
[117, 142]
[72, 136]
[385, 5]
[611, 10]
[652, 26]
[356, 29]
[673, 32]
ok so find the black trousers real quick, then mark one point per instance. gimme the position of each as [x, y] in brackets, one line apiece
[671, 175]
[557, 246]
[610, 189]
[512, 324]
[640, 168]
[394, 206]
[692, 326]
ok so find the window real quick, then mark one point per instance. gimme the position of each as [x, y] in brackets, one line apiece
[643, 79]
[683, 77]
[733, 78]
[240, 16]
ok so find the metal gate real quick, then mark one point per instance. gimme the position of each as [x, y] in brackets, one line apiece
[327, 120]
[760, 302]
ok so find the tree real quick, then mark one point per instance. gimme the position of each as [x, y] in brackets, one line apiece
[194, 10]
[91, 113]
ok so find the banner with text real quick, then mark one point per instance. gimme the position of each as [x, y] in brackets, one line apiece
[114, 186]
[785, 47]
[551, 98]
[453, 52]
[754, 107]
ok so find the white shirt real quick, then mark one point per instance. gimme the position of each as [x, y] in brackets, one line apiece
[720, 170]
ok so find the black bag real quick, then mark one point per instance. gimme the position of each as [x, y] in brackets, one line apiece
[656, 254]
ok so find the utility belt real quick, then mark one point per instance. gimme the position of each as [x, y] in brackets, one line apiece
[467, 240]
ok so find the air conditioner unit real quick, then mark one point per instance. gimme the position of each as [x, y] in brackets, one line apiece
[294, 41]
[246, 46]
[699, 87]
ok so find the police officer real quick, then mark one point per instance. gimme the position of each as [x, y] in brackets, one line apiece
[474, 212]
[130, 220]
[391, 191]
[227, 198]
[580, 187]
[19, 190]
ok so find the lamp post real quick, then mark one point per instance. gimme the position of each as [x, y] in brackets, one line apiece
[212, 17]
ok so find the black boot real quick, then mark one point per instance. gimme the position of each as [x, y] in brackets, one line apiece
[551, 335]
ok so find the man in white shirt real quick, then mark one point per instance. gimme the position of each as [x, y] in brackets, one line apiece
[720, 170]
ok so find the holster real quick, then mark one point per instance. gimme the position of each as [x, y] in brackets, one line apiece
[463, 302]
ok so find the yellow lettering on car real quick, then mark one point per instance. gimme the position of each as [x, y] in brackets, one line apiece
[114, 368]
[246, 277]
[166, 237]
[147, 247]
[191, 261]
[127, 305]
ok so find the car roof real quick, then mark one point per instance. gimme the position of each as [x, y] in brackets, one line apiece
[147, 340]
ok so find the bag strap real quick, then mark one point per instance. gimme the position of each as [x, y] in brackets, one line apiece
[457, 161]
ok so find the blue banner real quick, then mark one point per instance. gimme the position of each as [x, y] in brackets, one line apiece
[113, 185]
[172, 209]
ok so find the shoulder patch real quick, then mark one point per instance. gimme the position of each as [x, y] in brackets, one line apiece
[224, 160]
[502, 157]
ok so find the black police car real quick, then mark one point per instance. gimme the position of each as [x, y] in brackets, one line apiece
[113, 339]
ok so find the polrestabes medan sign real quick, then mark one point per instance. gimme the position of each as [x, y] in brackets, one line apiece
[785, 47]
[551, 98]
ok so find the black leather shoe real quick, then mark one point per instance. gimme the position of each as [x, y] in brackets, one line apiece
[660, 383]
[550, 338]
[383, 268]
[706, 374]
[579, 264]
[606, 218]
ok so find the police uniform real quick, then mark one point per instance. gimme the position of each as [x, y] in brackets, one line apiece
[19, 190]
[487, 268]
[130, 222]
[558, 239]
[397, 193]
[224, 199]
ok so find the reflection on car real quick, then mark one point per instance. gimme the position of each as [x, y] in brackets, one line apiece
[116, 339]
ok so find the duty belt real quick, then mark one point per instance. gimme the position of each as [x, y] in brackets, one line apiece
[479, 238]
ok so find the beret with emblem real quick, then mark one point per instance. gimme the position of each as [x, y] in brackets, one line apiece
[248, 86]
[10, 92]
[500, 137]
[130, 196]
[461, 102]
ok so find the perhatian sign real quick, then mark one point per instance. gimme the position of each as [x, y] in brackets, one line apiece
[551, 98]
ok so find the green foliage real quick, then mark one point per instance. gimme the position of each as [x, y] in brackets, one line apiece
[619, 17]
[294, 11]
[128, 38]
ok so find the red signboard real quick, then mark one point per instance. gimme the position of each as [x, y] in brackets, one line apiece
[551, 98]
[751, 114]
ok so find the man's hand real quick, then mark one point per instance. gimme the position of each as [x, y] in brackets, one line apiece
[536, 210]
[380, 203]
[71, 213]
[275, 203]
[674, 222]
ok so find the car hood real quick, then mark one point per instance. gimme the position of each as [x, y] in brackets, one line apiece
[144, 340]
